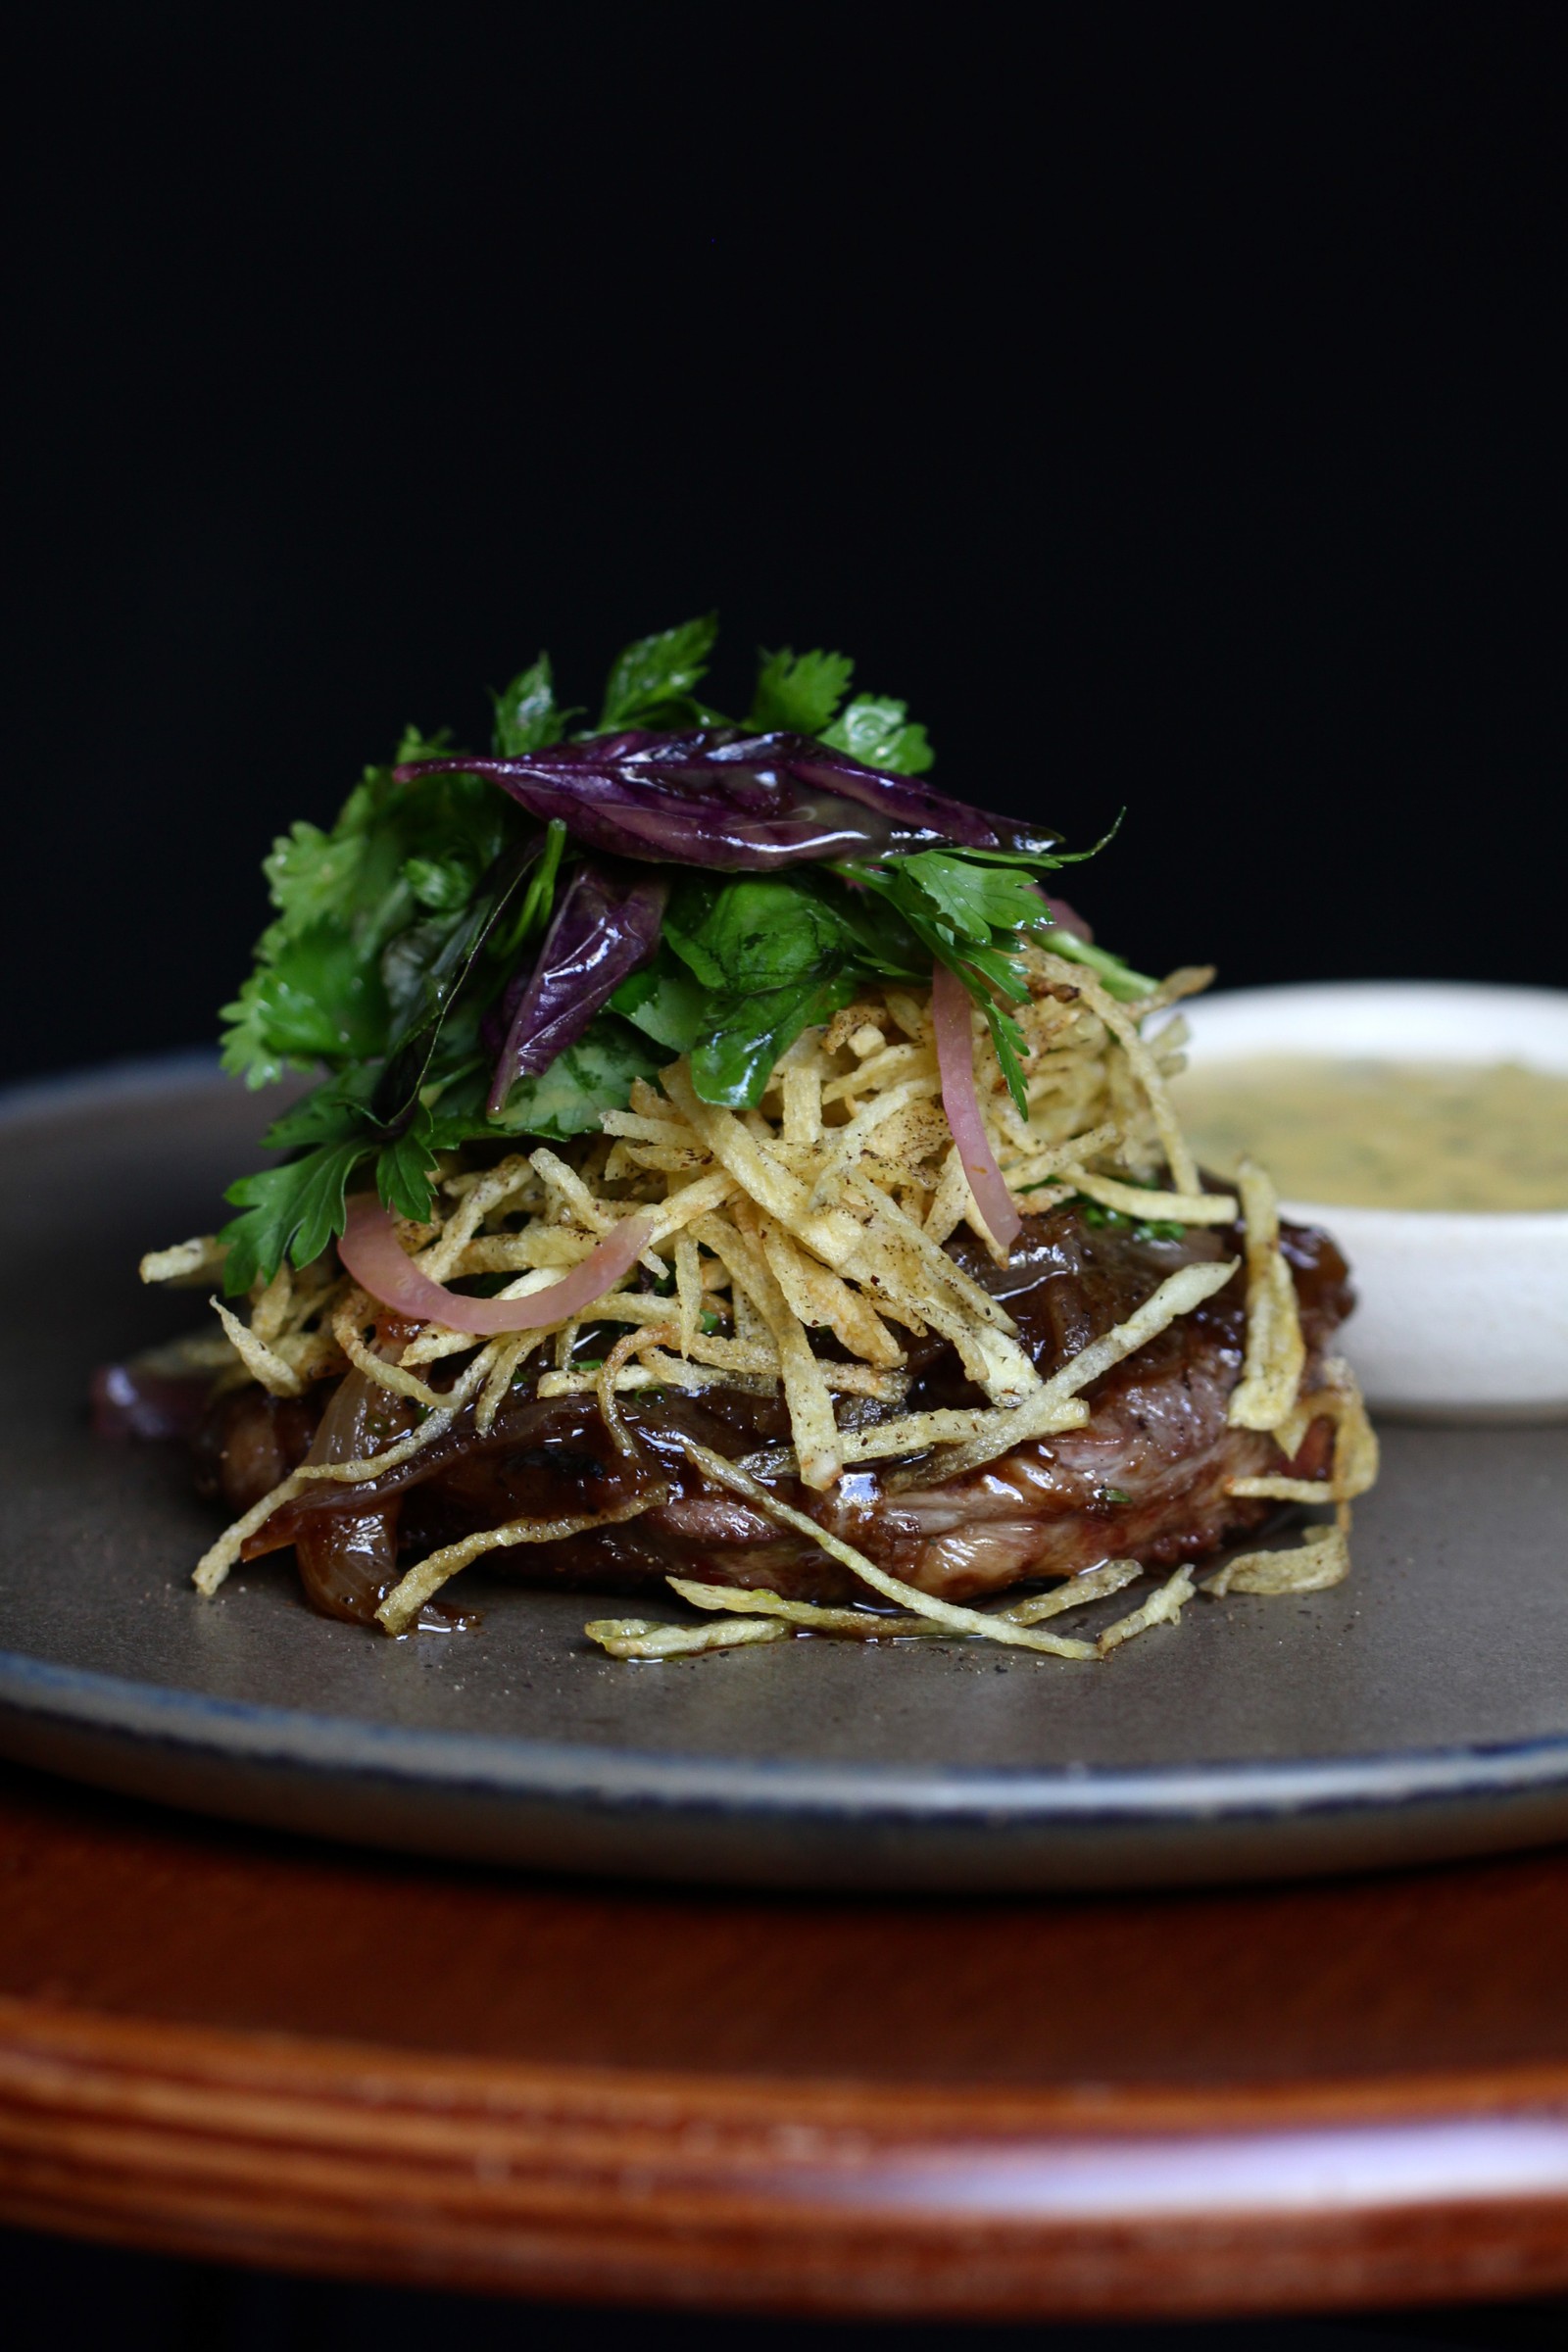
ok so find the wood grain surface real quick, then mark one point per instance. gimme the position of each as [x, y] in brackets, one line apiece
[224, 2043]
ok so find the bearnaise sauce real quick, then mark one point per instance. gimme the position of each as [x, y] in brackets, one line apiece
[1366, 1133]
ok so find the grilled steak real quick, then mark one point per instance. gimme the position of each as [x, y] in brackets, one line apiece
[1145, 1478]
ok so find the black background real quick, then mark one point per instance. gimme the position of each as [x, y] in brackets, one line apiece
[1167, 402]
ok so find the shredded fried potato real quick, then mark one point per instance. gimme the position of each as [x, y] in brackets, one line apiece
[641, 1638]
[881, 1625]
[1138, 1201]
[858, 1625]
[1310, 1567]
[826, 1211]
[185, 1265]
[275, 1376]
[1276, 1351]
[1355, 1444]
[1163, 1607]
[1093, 1585]
[220, 1557]
[409, 1597]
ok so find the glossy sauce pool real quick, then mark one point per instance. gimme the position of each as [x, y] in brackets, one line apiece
[1367, 1132]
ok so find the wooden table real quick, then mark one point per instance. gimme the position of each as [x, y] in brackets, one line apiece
[223, 2043]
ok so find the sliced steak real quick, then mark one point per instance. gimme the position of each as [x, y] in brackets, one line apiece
[1145, 1478]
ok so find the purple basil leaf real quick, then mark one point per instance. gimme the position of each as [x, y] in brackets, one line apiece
[604, 925]
[720, 797]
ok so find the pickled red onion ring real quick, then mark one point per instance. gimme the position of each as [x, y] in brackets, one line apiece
[950, 1017]
[372, 1253]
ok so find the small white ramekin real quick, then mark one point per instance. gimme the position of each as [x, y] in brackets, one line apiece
[1462, 1316]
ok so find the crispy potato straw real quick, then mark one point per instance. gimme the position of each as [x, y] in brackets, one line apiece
[409, 1597]
[692, 1248]
[1310, 1567]
[641, 1638]
[1276, 1351]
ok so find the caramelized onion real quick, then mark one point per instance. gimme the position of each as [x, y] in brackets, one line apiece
[372, 1253]
[951, 1016]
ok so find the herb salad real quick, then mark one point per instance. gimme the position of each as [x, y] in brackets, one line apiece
[495, 947]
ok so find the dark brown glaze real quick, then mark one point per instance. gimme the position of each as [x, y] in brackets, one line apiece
[247, 1443]
[1147, 1477]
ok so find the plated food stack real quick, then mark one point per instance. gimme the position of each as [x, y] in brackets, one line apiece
[735, 1174]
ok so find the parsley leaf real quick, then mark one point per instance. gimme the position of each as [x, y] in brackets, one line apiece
[293, 1211]
[318, 992]
[312, 998]
[799, 693]
[526, 717]
[973, 899]
[651, 685]
[327, 1114]
[878, 729]
[948, 914]
[403, 1172]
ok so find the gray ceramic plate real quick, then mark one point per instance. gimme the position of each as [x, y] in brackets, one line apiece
[1419, 1710]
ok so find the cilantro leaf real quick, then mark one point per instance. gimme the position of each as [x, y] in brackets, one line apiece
[799, 693]
[878, 729]
[293, 1211]
[651, 685]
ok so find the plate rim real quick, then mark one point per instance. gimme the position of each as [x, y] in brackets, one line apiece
[259, 1734]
